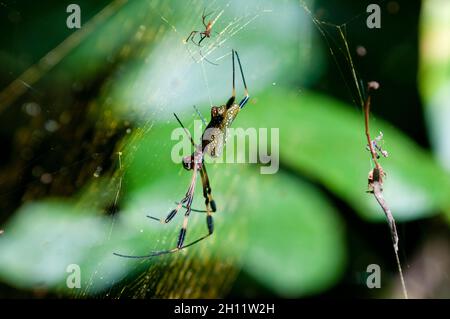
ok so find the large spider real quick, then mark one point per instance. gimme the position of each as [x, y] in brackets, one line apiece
[213, 140]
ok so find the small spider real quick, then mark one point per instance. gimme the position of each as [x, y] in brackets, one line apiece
[377, 147]
[213, 139]
[203, 34]
[377, 174]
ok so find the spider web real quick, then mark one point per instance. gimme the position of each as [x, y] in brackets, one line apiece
[199, 266]
[335, 36]
[159, 73]
[197, 273]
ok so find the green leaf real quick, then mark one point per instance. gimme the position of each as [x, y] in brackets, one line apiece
[296, 239]
[44, 238]
[278, 229]
[434, 76]
[324, 139]
[290, 237]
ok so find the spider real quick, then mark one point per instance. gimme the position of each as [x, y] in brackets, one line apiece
[377, 147]
[213, 139]
[203, 34]
[377, 174]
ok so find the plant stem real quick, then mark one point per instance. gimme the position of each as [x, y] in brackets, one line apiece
[376, 185]
[370, 86]
[378, 193]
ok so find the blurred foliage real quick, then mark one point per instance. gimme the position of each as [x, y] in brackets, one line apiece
[112, 96]
[325, 138]
[435, 74]
[305, 221]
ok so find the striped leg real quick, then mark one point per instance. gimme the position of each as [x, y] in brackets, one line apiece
[188, 197]
[182, 235]
[230, 101]
[202, 37]
[173, 212]
[209, 201]
[246, 97]
[191, 36]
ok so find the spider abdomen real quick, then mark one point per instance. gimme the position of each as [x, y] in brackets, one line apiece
[215, 135]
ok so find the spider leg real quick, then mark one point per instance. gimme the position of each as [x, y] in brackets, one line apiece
[210, 208]
[193, 209]
[164, 252]
[196, 43]
[200, 115]
[202, 37]
[182, 235]
[187, 199]
[186, 131]
[204, 58]
[245, 99]
[233, 92]
[209, 201]
[173, 212]
[191, 36]
[204, 17]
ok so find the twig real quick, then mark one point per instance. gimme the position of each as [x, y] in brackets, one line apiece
[370, 86]
[376, 185]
